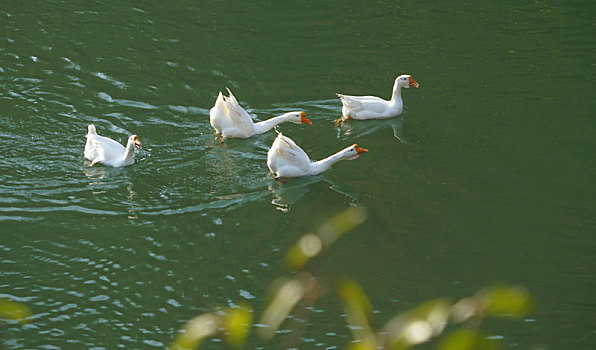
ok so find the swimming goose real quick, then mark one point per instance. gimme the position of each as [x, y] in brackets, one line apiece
[229, 119]
[286, 159]
[372, 107]
[104, 150]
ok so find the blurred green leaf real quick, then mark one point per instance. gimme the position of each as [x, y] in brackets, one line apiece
[363, 345]
[234, 323]
[418, 325]
[466, 339]
[195, 331]
[309, 246]
[510, 302]
[465, 309]
[405, 331]
[12, 310]
[340, 224]
[435, 312]
[237, 323]
[355, 298]
[284, 300]
[358, 311]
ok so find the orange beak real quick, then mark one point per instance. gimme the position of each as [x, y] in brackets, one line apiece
[360, 150]
[304, 119]
[413, 82]
[137, 142]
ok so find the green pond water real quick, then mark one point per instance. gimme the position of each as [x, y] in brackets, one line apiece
[487, 177]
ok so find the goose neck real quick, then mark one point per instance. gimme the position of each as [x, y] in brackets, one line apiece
[268, 124]
[324, 164]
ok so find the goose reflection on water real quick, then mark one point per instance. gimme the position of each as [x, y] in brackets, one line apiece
[288, 192]
[361, 128]
[104, 179]
[99, 175]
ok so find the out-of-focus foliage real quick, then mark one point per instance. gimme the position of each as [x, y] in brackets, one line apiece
[233, 324]
[504, 302]
[466, 339]
[237, 324]
[12, 310]
[297, 293]
[340, 224]
[358, 311]
[285, 297]
[416, 326]
[307, 247]
[510, 302]
[313, 244]
[195, 331]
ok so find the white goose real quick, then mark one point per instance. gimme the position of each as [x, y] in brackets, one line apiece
[286, 159]
[101, 149]
[372, 107]
[229, 119]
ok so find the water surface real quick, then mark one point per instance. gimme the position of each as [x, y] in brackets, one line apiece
[487, 177]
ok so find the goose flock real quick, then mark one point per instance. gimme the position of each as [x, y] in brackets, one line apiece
[285, 158]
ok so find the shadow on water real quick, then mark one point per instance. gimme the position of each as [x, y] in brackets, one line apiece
[103, 179]
[101, 175]
[352, 128]
[288, 192]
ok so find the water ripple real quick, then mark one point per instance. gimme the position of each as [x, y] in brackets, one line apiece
[126, 103]
[69, 208]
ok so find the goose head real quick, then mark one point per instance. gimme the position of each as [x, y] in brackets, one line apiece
[134, 140]
[298, 117]
[406, 81]
[353, 152]
[91, 129]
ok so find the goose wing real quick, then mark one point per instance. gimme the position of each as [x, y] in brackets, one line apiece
[229, 119]
[285, 153]
[357, 104]
[236, 114]
[104, 148]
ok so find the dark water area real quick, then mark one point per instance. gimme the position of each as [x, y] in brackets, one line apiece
[486, 178]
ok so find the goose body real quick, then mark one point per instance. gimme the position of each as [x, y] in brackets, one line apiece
[104, 150]
[229, 119]
[372, 107]
[287, 159]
